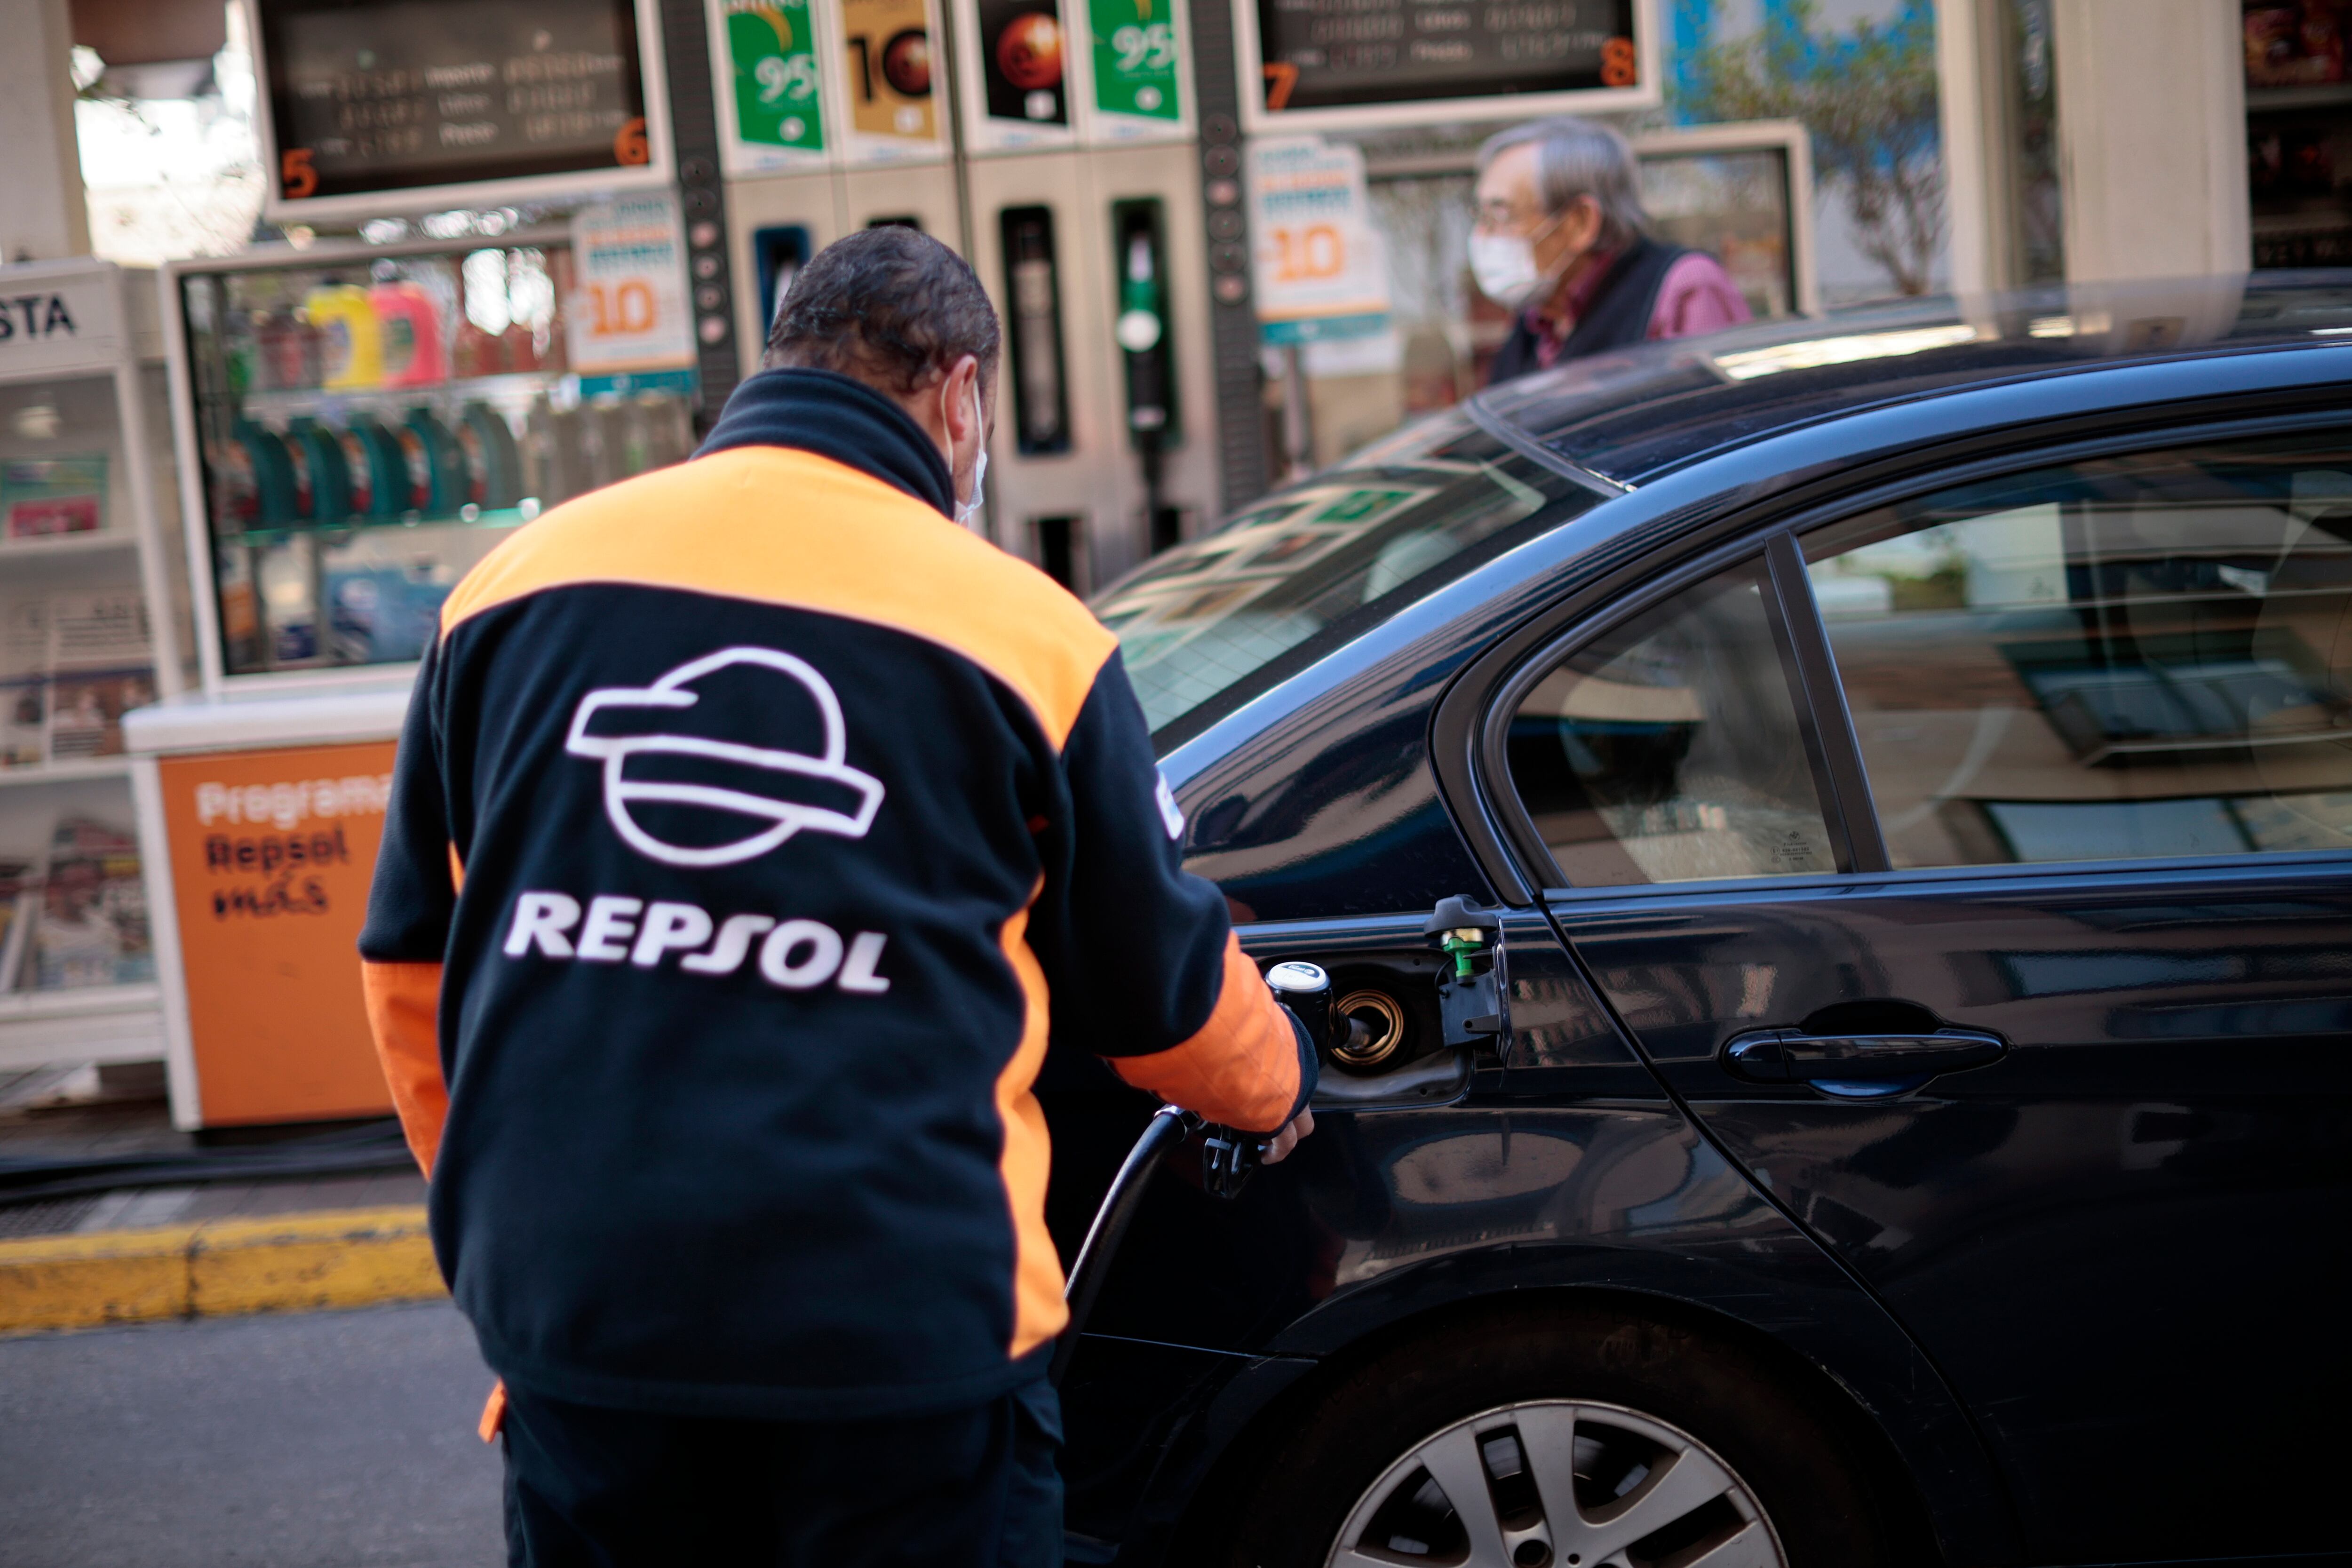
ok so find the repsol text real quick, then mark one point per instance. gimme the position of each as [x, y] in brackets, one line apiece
[267, 853]
[792, 954]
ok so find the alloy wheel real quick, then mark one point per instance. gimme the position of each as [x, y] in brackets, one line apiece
[1558, 1483]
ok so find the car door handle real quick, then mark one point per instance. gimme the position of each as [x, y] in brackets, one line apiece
[1788, 1056]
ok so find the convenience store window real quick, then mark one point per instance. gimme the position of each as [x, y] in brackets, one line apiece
[2298, 132]
[373, 423]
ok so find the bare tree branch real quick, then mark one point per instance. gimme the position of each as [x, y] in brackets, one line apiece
[1868, 97]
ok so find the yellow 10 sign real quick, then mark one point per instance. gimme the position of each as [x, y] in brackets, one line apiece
[1320, 271]
[1318, 250]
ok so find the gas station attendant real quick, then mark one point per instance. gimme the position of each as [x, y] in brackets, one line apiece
[755, 832]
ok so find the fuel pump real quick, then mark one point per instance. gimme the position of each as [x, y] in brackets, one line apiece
[1041, 398]
[1139, 255]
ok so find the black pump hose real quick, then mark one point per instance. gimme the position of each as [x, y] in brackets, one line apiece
[1166, 1129]
[373, 1146]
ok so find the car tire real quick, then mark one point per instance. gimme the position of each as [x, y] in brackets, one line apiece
[1617, 1383]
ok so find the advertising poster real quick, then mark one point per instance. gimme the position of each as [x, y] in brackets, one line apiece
[628, 310]
[1021, 97]
[1320, 271]
[889, 59]
[773, 83]
[271, 856]
[1138, 64]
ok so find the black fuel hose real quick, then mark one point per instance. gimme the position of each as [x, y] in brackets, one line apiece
[1166, 1129]
[347, 1150]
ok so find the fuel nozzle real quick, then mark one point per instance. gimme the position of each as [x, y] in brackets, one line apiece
[1228, 1157]
[1305, 989]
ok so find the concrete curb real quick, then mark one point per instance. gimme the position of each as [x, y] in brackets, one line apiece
[290, 1263]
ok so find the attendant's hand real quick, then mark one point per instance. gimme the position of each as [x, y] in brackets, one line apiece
[1279, 1148]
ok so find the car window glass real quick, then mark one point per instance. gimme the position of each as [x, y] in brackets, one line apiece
[1667, 750]
[1202, 618]
[2123, 657]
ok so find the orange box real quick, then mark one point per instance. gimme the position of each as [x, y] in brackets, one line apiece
[271, 856]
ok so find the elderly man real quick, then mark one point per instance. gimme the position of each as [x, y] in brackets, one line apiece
[1562, 242]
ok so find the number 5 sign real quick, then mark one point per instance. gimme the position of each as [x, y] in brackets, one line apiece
[628, 310]
[1321, 273]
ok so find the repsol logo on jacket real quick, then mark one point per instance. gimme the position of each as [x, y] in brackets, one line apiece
[614, 928]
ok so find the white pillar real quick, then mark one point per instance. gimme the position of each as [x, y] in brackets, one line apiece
[2152, 138]
[42, 214]
[1980, 146]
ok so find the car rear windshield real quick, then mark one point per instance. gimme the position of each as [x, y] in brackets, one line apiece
[1204, 627]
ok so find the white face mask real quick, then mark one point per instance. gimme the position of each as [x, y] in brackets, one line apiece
[967, 512]
[1504, 266]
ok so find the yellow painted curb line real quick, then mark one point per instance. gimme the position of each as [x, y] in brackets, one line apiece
[297, 1262]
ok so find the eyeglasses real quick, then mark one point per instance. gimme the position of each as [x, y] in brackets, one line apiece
[1502, 216]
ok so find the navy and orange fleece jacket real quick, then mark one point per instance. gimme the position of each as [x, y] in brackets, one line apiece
[754, 831]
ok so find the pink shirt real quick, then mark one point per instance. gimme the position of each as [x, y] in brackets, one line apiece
[1696, 296]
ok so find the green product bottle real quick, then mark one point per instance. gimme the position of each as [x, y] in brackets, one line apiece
[330, 470]
[275, 504]
[493, 461]
[378, 469]
[436, 464]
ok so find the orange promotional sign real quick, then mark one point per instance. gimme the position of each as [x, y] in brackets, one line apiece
[271, 856]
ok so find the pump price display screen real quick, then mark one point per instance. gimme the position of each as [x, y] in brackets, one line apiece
[376, 95]
[1358, 53]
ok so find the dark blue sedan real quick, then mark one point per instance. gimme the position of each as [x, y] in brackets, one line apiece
[1911, 756]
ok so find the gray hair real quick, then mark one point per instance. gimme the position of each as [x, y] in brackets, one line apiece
[1579, 158]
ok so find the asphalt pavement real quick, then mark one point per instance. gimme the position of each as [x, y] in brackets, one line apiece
[320, 1440]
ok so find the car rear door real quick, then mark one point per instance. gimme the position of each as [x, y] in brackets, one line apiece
[1976, 867]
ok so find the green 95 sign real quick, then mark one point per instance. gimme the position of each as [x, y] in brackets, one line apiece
[772, 44]
[1135, 56]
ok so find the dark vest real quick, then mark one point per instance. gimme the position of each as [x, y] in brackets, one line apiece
[1618, 317]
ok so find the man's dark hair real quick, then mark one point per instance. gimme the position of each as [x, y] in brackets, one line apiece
[890, 306]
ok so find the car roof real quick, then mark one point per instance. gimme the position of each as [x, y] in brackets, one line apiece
[1631, 416]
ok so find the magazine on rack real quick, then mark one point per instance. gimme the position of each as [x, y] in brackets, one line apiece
[92, 925]
[24, 679]
[100, 629]
[71, 665]
[86, 711]
[18, 892]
